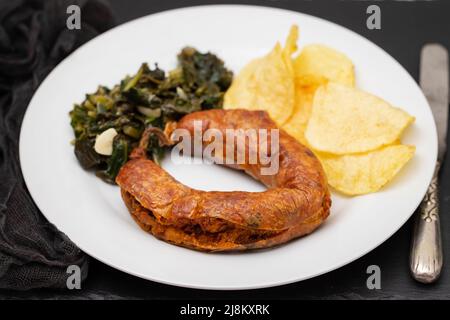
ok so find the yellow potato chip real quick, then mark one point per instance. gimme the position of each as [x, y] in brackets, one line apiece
[296, 124]
[366, 172]
[317, 64]
[346, 120]
[242, 91]
[291, 43]
[267, 83]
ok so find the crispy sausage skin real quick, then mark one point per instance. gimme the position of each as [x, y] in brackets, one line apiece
[296, 203]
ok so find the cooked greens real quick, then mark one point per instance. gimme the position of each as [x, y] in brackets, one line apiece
[150, 98]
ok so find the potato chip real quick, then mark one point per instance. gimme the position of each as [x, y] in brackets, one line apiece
[267, 83]
[346, 120]
[318, 64]
[296, 124]
[356, 174]
[242, 91]
[291, 43]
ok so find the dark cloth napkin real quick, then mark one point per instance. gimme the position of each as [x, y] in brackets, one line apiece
[33, 39]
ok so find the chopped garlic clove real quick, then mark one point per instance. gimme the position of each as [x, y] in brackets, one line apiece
[104, 142]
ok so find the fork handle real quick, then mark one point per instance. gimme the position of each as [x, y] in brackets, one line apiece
[426, 249]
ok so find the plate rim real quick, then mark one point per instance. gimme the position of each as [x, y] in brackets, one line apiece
[26, 177]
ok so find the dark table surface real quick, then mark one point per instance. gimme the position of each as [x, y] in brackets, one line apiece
[406, 27]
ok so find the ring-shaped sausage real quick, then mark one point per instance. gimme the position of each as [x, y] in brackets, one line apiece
[296, 202]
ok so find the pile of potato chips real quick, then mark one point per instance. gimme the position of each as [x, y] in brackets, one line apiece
[313, 97]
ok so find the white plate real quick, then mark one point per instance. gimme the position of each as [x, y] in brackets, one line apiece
[91, 212]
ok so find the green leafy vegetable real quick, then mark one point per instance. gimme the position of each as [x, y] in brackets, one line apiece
[150, 98]
[116, 160]
[86, 155]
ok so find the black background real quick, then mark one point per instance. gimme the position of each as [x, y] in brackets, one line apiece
[406, 27]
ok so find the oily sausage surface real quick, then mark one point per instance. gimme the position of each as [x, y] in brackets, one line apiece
[296, 203]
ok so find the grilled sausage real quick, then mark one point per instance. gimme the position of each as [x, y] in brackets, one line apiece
[296, 203]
